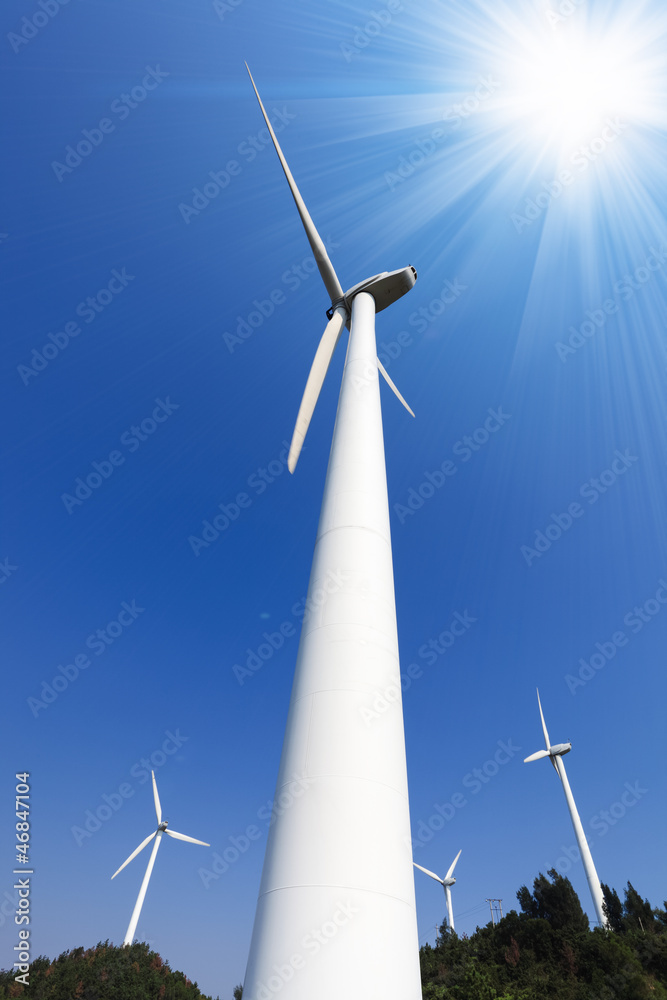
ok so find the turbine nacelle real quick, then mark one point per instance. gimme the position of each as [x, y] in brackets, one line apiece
[386, 287]
[552, 750]
[557, 750]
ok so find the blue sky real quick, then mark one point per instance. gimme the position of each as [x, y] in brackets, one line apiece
[160, 324]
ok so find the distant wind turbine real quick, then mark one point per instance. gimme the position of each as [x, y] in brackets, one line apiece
[446, 883]
[161, 828]
[339, 859]
[555, 753]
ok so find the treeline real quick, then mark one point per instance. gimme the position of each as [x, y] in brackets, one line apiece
[548, 951]
[104, 972]
[545, 952]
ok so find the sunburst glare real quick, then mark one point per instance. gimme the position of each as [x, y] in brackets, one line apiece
[564, 83]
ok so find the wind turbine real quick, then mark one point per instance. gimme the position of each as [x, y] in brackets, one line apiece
[446, 883]
[556, 753]
[336, 911]
[161, 828]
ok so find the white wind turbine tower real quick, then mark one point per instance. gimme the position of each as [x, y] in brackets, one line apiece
[161, 828]
[336, 910]
[446, 883]
[555, 753]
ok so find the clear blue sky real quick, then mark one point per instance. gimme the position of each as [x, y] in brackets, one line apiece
[166, 335]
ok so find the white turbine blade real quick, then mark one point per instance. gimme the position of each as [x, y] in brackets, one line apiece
[318, 371]
[324, 265]
[181, 836]
[453, 864]
[450, 911]
[427, 872]
[158, 807]
[393, 387]
[134, 853]
[537, 756]
[544, 725]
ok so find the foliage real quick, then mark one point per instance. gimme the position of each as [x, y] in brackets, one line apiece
[612, 907]
[102, 973]
[548, 950]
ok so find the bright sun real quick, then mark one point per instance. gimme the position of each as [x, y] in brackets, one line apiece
[563, 87]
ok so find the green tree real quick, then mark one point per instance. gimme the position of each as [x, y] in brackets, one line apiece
[637, 911]
[613, 908]
[555, 901]
[102, 973]
[548, 951]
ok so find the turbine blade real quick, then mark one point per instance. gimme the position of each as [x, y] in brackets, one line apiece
[156, 797]
[393, 387]
[324, 265]
[318, 371]
[544, 725]
[427, 872]
[450, 911]
[453, 864]
[537, 756]
[181, 836]
[134, 853]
